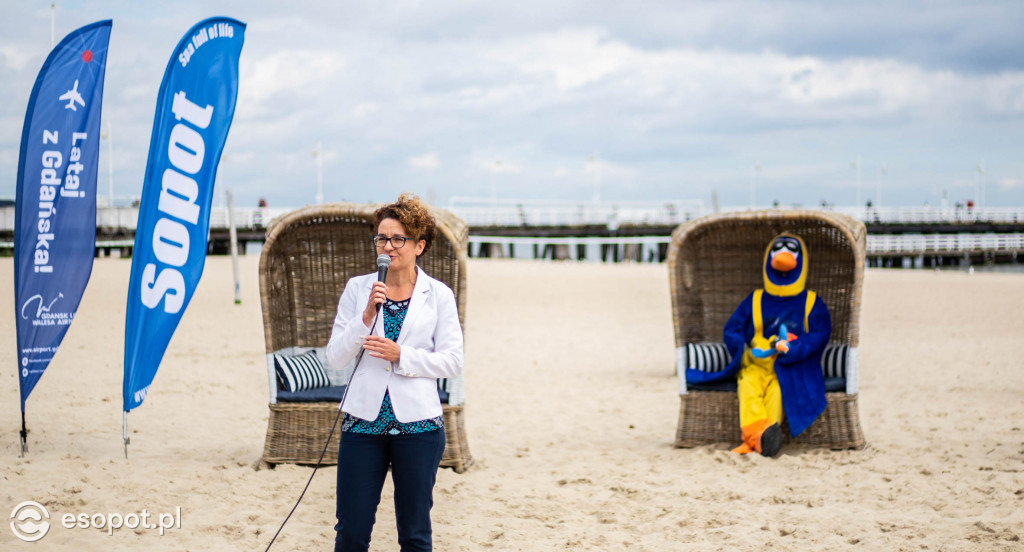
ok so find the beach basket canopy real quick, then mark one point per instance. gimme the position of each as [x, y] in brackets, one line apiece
[716, 261]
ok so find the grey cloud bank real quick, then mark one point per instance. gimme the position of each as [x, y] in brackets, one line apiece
[677, 99]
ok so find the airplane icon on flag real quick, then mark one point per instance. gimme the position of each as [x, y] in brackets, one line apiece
[72, 97]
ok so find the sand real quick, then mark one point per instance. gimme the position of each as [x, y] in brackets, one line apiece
[571, 412]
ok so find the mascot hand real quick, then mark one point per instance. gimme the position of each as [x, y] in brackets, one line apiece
[782, 344]
[761, 347]
[776, 345]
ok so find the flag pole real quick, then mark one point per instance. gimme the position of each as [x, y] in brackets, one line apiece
[233, 238]
[24, 435]
[124, 433]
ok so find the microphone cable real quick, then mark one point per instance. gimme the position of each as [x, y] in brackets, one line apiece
[327, 443]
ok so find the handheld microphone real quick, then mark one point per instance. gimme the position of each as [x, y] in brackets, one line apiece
[383, 262]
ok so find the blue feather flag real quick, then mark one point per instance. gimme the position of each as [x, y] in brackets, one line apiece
[193, 114]
[55, 205]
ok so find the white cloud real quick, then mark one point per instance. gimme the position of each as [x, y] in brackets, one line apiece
[14, 58]
[571, 57]
[429, 161]
[1004, 93]
[602, 168]
[1010, 183]
[496, 166]
[295, 73]
[365, 109]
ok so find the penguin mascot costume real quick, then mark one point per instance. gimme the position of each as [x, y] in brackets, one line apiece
[776, 338]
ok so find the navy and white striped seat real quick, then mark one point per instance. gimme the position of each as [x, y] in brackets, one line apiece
[714, 357]
[707, 357]
[300, 372]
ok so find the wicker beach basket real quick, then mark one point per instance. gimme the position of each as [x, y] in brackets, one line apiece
[715, 262]
[308, 257]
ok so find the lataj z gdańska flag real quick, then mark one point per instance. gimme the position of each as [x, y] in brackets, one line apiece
[55, 205]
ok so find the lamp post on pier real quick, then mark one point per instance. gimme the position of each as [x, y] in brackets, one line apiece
[109, 135]
[318, 154]
[754, 172]
[857, 166]
[878, 193]
[979, 184]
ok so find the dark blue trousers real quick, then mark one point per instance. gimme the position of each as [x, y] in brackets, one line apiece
[363, 462]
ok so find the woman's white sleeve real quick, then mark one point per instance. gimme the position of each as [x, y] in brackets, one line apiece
[349, 331]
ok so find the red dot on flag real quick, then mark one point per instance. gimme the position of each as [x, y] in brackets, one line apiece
[87, 56]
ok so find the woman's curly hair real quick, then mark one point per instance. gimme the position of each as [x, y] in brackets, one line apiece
[414, 216]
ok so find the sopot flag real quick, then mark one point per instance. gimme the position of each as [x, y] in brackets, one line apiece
[193, 115]
[55, 228]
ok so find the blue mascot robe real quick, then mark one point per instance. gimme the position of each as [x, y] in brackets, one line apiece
[799, 372]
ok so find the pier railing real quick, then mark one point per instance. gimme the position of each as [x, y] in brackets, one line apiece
[592, 249]
[613, 214]
[940, 244]
[525, 213]
[579, 214]
[653, 248]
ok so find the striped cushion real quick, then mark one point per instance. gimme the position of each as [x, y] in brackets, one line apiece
[714, 357]
[707, 357]
[834, 359]
[300, 372]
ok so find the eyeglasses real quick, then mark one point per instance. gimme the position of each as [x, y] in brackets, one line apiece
[396, 241]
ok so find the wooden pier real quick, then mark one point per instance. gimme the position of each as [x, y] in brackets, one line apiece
[631, 231]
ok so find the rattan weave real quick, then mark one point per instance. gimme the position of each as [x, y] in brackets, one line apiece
[296, 433]
[308, 256]
[716, 261]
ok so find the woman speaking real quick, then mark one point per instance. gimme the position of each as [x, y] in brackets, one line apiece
[403, 333]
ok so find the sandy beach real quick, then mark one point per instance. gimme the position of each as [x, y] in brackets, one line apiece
[571, 412]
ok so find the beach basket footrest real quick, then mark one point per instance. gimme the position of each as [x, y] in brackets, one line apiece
[296, 433]
[711, 417]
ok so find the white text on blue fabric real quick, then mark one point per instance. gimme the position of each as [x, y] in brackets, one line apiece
[203, 36]
[177, 206]
[50, 184]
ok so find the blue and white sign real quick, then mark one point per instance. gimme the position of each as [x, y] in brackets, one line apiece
[193, 115]
[55, 231]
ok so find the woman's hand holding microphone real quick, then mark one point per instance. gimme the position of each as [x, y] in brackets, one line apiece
[379, 346]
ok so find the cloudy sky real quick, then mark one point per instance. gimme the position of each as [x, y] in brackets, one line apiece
[568, 99]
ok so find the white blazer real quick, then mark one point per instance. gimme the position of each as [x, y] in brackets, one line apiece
[431, 342]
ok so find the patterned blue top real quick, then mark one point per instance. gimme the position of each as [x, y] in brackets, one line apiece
[386, 423]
